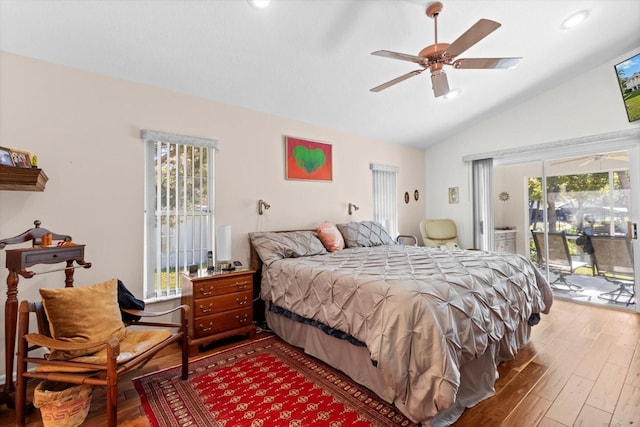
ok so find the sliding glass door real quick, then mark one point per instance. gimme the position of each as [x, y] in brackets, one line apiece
[573, 211]
[581, 225]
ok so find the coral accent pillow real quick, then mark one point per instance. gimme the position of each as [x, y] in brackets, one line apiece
[330, 237]
[83, 314]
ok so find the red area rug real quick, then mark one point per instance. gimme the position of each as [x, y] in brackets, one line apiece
[263, 383]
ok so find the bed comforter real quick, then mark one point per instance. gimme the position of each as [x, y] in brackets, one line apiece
[421, 312]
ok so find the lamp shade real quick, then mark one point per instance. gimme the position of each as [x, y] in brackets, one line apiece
[223, 243]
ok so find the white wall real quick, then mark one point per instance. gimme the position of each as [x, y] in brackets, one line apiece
[590, 104]
[85, 128]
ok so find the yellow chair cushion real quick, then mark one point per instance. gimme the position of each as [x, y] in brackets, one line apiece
[83, 314]
[134, 343]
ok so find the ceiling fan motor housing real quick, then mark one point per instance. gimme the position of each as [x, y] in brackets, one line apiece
[433, 53]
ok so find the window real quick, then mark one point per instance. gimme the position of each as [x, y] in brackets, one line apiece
[385, 207]
[179, 216]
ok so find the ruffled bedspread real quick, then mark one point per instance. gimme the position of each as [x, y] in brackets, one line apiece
[421, 312]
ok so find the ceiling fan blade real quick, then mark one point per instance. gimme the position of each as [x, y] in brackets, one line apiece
[577, 159]
[397, 55]
[473, 35]
[618, 156]
[492, 63]
[396, 80]
[439, 83]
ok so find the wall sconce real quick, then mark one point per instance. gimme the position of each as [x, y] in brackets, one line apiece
[352, 208]
[262, 206]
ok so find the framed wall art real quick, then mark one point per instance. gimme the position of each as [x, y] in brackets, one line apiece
[453, 195]
[308, 160]
[5, 157]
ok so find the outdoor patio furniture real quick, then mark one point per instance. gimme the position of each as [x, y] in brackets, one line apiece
[560, 260]
[614, 262]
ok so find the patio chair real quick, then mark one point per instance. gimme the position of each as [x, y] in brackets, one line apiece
[560, 260]
[614, 262]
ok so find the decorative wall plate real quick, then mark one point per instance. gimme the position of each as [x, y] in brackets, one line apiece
[504, 196]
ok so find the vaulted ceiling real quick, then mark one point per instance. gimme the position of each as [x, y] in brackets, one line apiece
[311, 60]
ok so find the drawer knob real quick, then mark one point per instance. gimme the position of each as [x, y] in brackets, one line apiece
[241, 285]
[206, 328]
[243, 319]
[207, 309]
[207, 292]
[242, 302]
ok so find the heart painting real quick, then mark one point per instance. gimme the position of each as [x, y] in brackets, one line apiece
[308, 160]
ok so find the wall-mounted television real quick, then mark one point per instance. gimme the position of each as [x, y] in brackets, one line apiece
[628, 72]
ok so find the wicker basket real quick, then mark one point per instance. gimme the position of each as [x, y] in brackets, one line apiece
[61, 404]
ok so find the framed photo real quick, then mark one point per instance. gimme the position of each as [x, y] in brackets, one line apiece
[21, 159]
[5, 157]
[308, 160]
[453, 195]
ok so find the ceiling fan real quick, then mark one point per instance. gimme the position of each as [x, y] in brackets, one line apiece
[585, 160]
[434, 57]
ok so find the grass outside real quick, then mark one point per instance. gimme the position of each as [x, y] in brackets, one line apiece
[632, 101]
[169, 280]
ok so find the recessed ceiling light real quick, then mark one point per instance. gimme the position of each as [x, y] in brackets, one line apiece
[453, 93]
[574, 19]
[259, 4]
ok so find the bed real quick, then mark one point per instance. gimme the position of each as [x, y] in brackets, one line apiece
[424, 328]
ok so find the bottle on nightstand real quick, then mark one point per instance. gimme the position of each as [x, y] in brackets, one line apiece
[210, 265]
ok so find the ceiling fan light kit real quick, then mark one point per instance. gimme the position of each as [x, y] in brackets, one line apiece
[453, 93]
[434, 57]
[440, 83]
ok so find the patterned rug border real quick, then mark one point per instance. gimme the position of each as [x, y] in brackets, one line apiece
[178, 404]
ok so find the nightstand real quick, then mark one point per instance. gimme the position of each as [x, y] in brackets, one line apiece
[505, 240]
[221, 305]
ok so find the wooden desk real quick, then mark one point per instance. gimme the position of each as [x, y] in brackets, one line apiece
[17, 262]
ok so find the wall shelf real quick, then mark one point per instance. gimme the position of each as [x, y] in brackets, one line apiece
[22, 179]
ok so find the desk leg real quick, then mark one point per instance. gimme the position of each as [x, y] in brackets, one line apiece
[10, 320]
[68, 275]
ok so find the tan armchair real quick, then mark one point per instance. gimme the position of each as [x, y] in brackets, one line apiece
[87, 341]
[439, 232]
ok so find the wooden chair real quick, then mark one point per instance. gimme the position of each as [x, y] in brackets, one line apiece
[560, 260]
[115, 356]
[614, 262]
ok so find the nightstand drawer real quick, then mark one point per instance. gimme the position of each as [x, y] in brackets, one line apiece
[216, 323]
[207, 306]
[222, 286]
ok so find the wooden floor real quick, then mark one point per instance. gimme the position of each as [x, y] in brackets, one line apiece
[581, 368]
